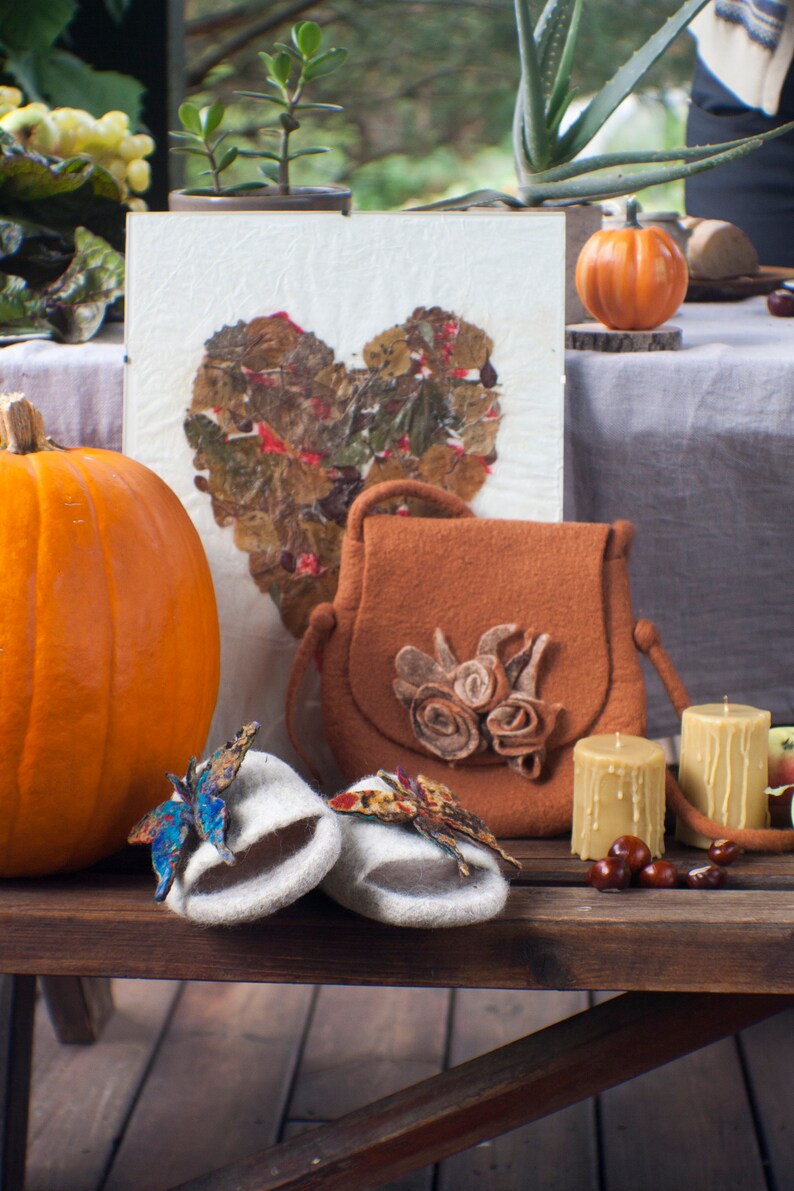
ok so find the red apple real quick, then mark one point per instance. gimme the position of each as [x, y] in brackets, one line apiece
[781, 757]
[781, 776]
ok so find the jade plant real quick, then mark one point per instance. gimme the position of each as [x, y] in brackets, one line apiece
[290, 70]
[548, 165]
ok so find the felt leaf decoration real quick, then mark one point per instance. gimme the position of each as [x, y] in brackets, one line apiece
[195, 806]
[416, 667]
[444, 652]
[429, 806]
[492, 638]
[285, 436]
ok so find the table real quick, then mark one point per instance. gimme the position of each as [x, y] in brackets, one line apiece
[697, 965]
[695, 446]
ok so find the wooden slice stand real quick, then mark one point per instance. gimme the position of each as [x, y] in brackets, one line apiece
[595, 337]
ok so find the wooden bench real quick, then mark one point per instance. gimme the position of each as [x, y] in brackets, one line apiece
[697, 966]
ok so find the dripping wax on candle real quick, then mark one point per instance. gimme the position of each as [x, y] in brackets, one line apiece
[617, 794]
[723, 766]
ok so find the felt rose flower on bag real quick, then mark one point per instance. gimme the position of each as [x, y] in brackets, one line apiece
[458, 709]
[481, 683]
[519, 728]
[443, 724]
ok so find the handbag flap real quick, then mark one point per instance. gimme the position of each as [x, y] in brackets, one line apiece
[466, 576]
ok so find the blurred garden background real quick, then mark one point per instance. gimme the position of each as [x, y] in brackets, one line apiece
[428, 87]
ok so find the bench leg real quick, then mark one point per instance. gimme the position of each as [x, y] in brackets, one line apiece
[519, 1083]
[79, 1006]
[17, 1004]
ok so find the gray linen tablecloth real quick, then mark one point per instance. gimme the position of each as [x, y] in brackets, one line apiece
[696, 447]
[77, 387]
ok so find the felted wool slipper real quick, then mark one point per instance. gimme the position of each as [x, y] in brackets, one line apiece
[284, 839]
[392, 874]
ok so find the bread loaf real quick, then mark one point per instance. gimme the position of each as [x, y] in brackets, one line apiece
[716, 249]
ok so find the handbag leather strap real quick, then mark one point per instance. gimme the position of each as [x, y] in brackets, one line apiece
[754, 839]
[648, 641]
[393, 489]
[321, 622]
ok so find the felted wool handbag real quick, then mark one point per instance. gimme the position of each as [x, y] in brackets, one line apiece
[478, 651]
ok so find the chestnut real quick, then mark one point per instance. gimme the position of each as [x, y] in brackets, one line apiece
[723, 851]
[634, 850]
[781, 303]
[659, 874]
[610, 874]
[708, 876]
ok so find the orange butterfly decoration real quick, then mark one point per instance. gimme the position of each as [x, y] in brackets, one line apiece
[430, 807]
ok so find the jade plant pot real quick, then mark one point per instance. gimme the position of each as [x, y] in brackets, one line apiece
[300, 198]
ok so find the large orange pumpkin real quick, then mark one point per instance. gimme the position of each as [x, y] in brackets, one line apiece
[109, 646]
[631, 278]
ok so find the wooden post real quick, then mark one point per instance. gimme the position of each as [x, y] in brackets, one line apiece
[17, 1002]
[78, 1006]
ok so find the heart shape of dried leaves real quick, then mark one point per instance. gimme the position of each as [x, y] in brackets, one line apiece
[285, 437]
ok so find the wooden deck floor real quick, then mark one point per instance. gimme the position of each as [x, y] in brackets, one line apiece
[188, 1077]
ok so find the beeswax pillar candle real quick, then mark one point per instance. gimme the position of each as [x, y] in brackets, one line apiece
[723, 766]
[618, 789]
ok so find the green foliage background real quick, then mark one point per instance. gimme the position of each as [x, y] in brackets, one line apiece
[34, 56]
[428, 88]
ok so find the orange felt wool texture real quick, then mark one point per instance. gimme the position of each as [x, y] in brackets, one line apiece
[109, 653]
[400, 578]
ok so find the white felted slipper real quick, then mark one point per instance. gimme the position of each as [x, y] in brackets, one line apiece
[283, 836]
[391, 873]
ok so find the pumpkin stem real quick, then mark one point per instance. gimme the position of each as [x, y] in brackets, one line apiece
[632, 207]
[22, 426]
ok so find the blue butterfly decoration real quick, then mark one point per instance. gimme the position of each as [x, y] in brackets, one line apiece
[195, 806]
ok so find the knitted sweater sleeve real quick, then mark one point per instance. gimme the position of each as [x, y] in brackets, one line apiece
[748, 45]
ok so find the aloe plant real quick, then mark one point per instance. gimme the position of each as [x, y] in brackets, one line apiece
[545, 155]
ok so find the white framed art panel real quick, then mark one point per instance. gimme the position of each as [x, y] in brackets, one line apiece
[250, 338]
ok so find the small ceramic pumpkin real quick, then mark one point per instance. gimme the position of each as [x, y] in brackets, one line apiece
[631, 278]
[109, 646]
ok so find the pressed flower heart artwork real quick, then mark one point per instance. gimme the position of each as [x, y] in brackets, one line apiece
[285, 436]
[278, 364]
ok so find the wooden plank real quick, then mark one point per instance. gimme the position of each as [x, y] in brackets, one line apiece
[82, 1096]
[559, 1153]
[521, 1082]
[688, 1124]
[218, 1086]
[768, 1051]
[79, 1007]
[550, 862]
[418, 1180]
[365, 1043]
[686, 940]
[17, 1001]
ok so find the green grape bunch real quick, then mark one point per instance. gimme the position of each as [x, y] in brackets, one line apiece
[71, 132]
